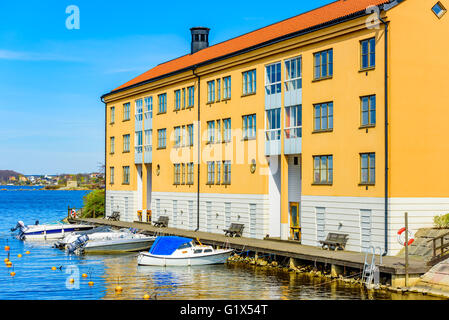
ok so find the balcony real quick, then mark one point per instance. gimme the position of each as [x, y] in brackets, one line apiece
[138, 155]
[293, 140]
[273, 142]
[148, 154]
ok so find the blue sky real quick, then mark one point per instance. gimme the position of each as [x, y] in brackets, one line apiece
[51, 78]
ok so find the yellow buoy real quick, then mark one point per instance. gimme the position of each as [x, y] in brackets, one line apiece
[146, 297]
[84, 275]
[53, 268]
[6, 260]
[118, 289]
[72, 280]
[9, 264]
[12, 274]
[91, 283]
[19, 256]
[27, 252]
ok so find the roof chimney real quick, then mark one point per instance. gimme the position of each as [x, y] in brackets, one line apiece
[200, 38]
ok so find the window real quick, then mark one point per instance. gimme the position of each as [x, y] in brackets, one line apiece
[218, 180]
[148, 140]
[219, 131]
[183, 173]
[293, 122]
[190, 173]
[211, 172]
[126, 111]
[178, 100]
[249, 82]
[368, 51]
[126, 175]
[190, 134]
[126, 140]
[368, 109]
[249, 126]
[148, 108]
[139, 110]
[211, 91]
[439, 10]
[227, 88]
[177, 137]
[226, 172]
[322, 169]
[139, 142]
[324, 116]
[210, 131]
[227, 130]
[273, 78]
[111, 175]
[273, 131]
[293, 74]
[162, 102]
[367, 168]
[112, 145]
[183, 136]
[161, 138]
[177, 173]
[191, 101]
[112, 115]
[183, 98]
[218, 89]
[323, 63]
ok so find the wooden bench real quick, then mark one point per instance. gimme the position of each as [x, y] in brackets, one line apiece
[234, 230]
[335, 241]
[115, 216]
[161, 222]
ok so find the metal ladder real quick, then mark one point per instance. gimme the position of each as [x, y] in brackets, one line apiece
[371, 274]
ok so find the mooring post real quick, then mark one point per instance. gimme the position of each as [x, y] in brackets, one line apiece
[406, 249]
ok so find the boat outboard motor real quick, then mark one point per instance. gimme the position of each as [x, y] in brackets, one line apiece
[78, 243]
[20, 225]
[36, 223]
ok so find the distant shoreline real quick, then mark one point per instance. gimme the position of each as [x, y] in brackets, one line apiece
[40, 188]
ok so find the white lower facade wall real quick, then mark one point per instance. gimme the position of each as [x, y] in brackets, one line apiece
[343, 215]
[421, 212]
[215, 220]
[123, 201]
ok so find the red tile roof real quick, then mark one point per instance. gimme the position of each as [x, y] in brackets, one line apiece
[325, 14]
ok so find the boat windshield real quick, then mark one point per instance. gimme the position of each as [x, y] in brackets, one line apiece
[185, 245]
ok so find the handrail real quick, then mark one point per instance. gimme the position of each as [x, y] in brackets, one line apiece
[442, 253]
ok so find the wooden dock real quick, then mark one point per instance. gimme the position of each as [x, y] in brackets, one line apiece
[393, 266]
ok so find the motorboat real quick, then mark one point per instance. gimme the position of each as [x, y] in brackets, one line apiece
[47, 231]
[95, 233]
[179, 251]
[110, 242]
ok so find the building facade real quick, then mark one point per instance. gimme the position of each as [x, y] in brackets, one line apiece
[330, 121]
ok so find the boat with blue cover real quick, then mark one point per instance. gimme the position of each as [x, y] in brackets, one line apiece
[179, 251]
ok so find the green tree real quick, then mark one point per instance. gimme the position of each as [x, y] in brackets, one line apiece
[93, 202]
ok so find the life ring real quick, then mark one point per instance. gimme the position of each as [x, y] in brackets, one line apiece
[73, 213]
[401, 237]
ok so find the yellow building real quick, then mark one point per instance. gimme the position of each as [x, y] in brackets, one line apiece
[331, 121]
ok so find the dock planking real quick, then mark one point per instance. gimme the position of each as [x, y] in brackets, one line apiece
[390, 265]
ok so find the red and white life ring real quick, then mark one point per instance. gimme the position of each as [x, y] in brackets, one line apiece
[401, 237]
[73, 213]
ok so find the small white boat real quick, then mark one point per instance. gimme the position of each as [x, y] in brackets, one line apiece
[95, 233]
[178, 251]
[110, 242]
[47, 231]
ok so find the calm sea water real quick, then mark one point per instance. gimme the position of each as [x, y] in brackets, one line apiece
[34, 279]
